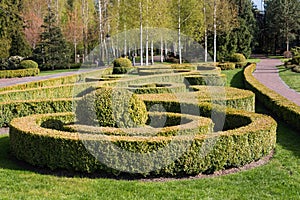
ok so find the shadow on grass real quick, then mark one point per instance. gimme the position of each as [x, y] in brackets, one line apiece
[237, 80]
[287, 138]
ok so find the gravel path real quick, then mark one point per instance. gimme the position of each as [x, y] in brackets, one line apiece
[267, 73]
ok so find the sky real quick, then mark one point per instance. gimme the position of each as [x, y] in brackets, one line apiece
[258, 3]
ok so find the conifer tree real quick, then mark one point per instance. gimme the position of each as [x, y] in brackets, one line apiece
[52, 51]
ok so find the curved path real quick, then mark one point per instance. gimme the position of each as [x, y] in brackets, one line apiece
[267, 73]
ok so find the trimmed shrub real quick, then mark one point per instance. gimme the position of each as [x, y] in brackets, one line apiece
[212, 80]
[159, 124]
[296, 60]
[226, 66]
[230, 97]
[122, 66]
[18, 73]
[155, 88]
[113, 107]
[237, 58]
[296, 69]
[27, 64]
[287, 54]
[74, 151]
[283, 108]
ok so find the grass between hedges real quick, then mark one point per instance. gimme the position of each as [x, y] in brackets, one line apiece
[279, 179]
[292, 79]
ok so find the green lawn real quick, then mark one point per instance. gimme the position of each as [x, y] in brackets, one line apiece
[279, 179]
[234, 78]
[292, 79]
[51, 72]
[253, 60]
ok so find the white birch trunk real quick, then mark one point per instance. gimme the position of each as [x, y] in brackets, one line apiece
[205, 34]
[215, 31]
[179, 33]
[161, 50]
[152, 53]
[141, 32]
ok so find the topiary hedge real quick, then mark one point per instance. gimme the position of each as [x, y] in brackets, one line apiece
[74, 151]
[122, 66]
[159, 124]
[227, 66]
[212, 80]
[113, 107]
[18, 73]
[229, 97]
[279, 105]
[27, 64]
[156, 88]
[239, 60]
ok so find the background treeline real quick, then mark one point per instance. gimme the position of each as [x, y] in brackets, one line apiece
[56, 33]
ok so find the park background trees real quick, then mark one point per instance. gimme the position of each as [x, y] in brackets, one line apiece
[222, 27]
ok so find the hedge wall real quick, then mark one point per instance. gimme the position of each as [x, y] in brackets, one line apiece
[19, 73]
[229, 97]
[11, 110]
[279, 105]
[159, 124]
[58, 81]
[68, 150]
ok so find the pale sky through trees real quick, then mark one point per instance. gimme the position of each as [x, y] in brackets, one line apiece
[259, 4]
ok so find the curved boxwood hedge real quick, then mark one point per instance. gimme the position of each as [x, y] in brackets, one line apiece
[212, 80]
[230, 97]
[19, 73]
[155, 88]
[279, 105]
[159, 124]
[56, 149]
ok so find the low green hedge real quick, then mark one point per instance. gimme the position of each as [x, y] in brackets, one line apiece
[26, 64]
[112, 107]
[279, 105]
[11, 110]
[227, 66]
[212, 80]
[156, 88]
[76, 78]
[179, 155]
[54, 92]
[19, 73]
[229, 97]
[159, 124]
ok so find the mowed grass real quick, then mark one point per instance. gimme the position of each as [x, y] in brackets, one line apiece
[51, 72]
[279, 179]
[292, 79]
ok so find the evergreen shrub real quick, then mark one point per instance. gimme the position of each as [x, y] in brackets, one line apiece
[121, 66]
[113, 107]
[26, 64]
[227, 66]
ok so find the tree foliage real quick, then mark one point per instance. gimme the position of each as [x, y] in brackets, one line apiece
[52, 51]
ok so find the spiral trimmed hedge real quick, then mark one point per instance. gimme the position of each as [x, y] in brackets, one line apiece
[230, 97]
[279, 105]
[56, 149]
[19, 73]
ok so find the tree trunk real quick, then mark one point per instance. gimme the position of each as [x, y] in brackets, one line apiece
[179, 33]
[215, 31]
[152, 53]
[141, 33]
[205, 33]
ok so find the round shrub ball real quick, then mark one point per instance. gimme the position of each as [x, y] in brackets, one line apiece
[121, 66]
[111, 107]
[237, 57]
[26, 64]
